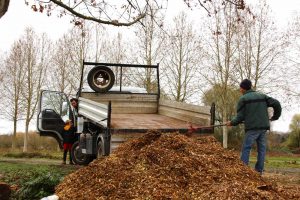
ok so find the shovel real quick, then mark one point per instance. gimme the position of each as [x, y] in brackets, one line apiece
[192, 129]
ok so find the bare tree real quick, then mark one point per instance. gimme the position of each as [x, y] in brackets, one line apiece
[260, 49]
[221, 50]
[36, 56]
[292, 64]
[115, 52]
[69, 53]
[148, 49]
[13, 80]
[182, 58]
[61, 70]
[100, 39]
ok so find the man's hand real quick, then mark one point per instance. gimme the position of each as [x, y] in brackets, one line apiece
[228, 123]
[191, 129]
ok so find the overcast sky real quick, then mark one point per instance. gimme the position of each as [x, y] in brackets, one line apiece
[19, 16]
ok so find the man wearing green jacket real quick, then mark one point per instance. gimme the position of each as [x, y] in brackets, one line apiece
[252, 110]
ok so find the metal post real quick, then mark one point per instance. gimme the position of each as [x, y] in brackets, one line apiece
[121, 76]
[158, 83]
[81, 79]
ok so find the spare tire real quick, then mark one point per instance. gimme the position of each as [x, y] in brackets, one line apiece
[101, 79]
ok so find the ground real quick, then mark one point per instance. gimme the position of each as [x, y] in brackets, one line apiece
[284, 170]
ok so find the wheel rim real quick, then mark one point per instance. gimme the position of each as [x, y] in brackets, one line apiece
[99, 151]
[79, 156]
[101, 79]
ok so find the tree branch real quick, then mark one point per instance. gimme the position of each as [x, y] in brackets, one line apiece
[3, 7]
[112, 22]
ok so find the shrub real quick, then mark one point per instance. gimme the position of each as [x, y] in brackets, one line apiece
[40, 185]
[280, 149]
[35, 142]
[29, 155]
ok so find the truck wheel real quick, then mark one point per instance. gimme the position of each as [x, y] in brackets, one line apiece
[101, 79]
[78, 157]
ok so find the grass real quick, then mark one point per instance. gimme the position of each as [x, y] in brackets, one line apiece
[279, 161]
[32, 178]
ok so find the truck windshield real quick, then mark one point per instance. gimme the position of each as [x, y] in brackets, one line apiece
[57, 102]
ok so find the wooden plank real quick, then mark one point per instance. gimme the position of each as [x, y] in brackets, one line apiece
[119, 97]
[126, 103]
[146, 121]
[185, 112]
[185, 106]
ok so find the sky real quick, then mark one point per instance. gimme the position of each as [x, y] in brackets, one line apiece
[19, 16]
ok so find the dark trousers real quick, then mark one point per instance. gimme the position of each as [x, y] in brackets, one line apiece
[67, 148]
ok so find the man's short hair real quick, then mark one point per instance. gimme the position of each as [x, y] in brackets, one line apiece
[74, 99]
[246, 84]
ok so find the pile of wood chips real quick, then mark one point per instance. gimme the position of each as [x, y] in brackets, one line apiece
[170, 166]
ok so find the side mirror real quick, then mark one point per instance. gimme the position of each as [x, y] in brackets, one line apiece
[64, 109]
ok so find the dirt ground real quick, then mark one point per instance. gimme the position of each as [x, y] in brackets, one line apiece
[286, 176]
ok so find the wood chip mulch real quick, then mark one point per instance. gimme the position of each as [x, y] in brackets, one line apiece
[170, 166]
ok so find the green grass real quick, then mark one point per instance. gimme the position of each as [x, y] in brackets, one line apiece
[279, 161]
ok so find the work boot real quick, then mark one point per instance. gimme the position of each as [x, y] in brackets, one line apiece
[71, 160]
[261, 173]
[64, 158]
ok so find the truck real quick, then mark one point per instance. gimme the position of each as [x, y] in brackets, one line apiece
[110, 104]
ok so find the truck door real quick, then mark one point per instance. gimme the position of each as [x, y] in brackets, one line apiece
[53, 111]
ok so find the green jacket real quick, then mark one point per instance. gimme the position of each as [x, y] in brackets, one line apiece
[252, 109]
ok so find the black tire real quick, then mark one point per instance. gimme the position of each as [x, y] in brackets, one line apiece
[101, 79]
[78, 157]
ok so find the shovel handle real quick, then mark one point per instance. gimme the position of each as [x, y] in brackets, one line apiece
[217, 125]
[192, 129]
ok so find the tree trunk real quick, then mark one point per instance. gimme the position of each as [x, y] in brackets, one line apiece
[14, 137]
[25, 147]
[225, 130]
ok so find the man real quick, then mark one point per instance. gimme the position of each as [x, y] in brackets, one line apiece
[74, 103]
[252, 109]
